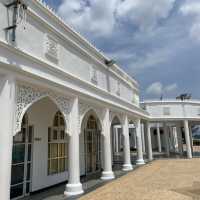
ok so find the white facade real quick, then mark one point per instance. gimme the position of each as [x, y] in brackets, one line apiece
[80, 111]
[46, 68]
[175, 119]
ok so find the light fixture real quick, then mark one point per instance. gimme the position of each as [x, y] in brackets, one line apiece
[110, 63]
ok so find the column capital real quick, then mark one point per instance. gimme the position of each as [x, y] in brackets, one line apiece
[157, 125]
[137, 122]
[125, 119]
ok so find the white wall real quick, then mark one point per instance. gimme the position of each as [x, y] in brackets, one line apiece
[41, 116]
[73, 60]
[178, 109]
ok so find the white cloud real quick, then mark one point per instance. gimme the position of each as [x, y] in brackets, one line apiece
[92, 16]
[195, 31]
[191, 8]
[155, 89]
[151, 59]
[143, 13]
[171, 88]
[99, 17]
[158, 89]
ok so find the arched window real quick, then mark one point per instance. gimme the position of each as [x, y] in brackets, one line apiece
[91, 123]
[57, 146]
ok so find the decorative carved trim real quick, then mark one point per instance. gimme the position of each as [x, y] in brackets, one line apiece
[51, 47]
[28, 95]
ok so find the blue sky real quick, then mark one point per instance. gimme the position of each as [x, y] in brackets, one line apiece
[155, 41]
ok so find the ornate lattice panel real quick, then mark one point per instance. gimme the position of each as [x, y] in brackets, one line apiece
[28, 95]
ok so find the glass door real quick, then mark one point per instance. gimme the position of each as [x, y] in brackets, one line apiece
[22, 162]
[92, 151]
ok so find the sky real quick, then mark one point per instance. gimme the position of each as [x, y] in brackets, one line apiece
[155, 41]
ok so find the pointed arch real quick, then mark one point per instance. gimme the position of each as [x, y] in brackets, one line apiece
[117, 118]
[88, 113]
[27, 96]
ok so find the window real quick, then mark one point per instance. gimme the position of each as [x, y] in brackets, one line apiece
[166, 111]
[57, 146]
[135, 99]
[91, 124]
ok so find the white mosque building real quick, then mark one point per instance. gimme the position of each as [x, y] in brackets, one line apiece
[67, 110]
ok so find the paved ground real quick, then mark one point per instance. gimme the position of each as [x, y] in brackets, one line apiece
[174, 179]
[56, 192]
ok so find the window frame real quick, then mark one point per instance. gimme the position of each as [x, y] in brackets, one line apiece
[61, 143]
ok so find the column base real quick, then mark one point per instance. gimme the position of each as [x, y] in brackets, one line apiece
[150, 159]
[140, 162]
[189, 157]
[107, 175]
[73, 189]
[127, 167]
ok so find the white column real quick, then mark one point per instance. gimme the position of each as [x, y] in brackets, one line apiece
[140, 160]
[116, 140]
[171, 139]
[135, 138]
[191, 139]
[143, 140]
[150, 153]
[107, 173]
[187, 139]
[166, 136]
[180, 139]
[7, 109]
[175, 135]
[158, 139]
[127, 166]
[74, 187]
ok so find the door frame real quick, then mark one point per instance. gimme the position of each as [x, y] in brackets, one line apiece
[98, 152]
[26, 162]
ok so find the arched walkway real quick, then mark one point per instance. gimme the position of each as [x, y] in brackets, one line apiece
[40, 155]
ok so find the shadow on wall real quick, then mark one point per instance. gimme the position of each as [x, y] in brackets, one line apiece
[3, 82]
